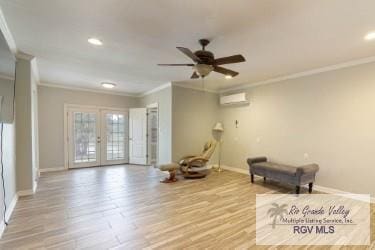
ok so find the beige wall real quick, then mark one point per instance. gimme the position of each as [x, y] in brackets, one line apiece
[24, 140]
[51, 118]
[6, 90]
[164, 100]
[194, 114]
[328, 116]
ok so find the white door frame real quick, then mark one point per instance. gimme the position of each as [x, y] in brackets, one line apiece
[67, 107]
[133, 143]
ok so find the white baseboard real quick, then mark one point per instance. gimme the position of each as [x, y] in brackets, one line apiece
[2, 228]
[8, 214]
[323, 189]
[238, 170]
[11, 207]
[28, 192]
[329, 190]
[45, 170]
[25, 192]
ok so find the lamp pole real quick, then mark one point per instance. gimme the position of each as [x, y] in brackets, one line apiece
[218, 128]
[219, 169]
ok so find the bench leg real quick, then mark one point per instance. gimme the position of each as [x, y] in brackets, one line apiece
[310, 187]
[297, 189]
[264, 178]
[252, 178]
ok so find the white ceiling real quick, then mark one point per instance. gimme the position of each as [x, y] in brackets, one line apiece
[276, 37]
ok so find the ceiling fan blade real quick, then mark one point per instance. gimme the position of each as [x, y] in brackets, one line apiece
[194, 75]
[229, 59]
[225, 71]
[189, 53]
[176, 64]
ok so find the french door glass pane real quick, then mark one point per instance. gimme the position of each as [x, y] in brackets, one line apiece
[115, 136]
[84, 137]
[153, 132]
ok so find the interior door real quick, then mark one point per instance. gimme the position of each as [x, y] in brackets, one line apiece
[152, 138]
[114, 138]
[84, 138]
[138, 136]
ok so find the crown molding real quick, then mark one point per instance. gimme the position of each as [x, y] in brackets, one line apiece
[52, 85]
[7, 34]
[170, 84]
[24, 56]
[302, 74]
[33, 61]
[6, 77]
[161, 87]
[187, 86]
[60, 86]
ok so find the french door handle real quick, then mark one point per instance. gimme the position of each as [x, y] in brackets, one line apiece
[98, 140]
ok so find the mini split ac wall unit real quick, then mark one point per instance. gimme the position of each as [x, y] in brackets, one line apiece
[235, 99]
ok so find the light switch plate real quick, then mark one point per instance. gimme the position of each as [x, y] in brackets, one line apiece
[306, 156]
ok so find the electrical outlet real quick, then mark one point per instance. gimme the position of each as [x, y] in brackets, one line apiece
[306, 156]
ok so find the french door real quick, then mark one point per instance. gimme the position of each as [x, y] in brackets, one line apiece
[97, 137]
[114, 149]
[152, 138]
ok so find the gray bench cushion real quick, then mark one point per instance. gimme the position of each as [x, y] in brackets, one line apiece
[274, 167]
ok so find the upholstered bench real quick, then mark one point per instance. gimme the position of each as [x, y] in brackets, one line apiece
[296, 176]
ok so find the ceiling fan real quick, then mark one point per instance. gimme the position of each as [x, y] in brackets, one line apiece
[205, 62]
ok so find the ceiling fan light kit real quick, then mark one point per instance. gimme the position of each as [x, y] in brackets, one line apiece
[205, 62]
[203, 69]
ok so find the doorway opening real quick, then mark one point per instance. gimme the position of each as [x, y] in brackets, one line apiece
[97, 136]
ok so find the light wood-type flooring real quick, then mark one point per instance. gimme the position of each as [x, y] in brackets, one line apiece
[125, 207]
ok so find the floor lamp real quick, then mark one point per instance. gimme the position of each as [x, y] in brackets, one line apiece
[218, 130]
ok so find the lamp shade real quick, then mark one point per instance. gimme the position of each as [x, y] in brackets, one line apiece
[218, 127]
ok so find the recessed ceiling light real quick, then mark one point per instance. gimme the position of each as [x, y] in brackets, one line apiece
[370, 36]
[108, 85]
[95, 41]
[228, 77]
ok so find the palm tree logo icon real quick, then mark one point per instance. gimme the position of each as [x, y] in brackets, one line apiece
[277, 212]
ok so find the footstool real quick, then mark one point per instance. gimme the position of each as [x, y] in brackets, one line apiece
[172, 169]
